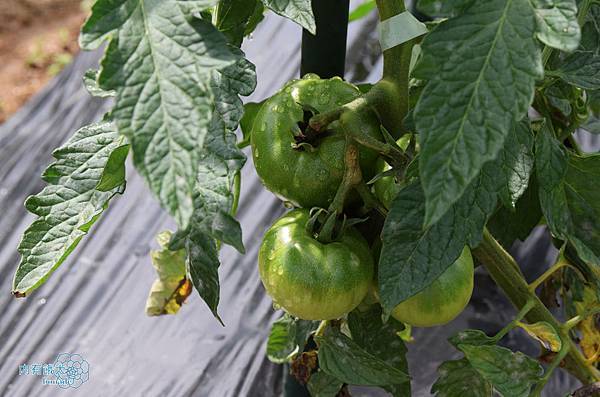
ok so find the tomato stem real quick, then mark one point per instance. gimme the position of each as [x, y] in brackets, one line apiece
[369, 199]
[390, 95]
[515, 322]
[572, 322]
[562, 262]
[352, 177]
[505, 272]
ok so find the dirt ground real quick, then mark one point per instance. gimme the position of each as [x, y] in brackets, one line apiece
[37, 39]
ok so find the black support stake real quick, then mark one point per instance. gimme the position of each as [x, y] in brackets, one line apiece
[325, 53]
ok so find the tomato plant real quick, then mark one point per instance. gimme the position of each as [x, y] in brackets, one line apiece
[467, 142]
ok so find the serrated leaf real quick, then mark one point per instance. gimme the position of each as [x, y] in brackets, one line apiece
[321, 384]
[582, 67]
[221, 159]
[571, 204]
[543, 333]
[160, 60]
[507, 225]
[473, 337]
[557, 24]
[445, 8]
[512, 374]
[459, 379]
[170, 290]
[288, 337]
[516, 163]
[90, 81]
[202, 267]
[481, 69]
[343, 358]
[381, 340]
[113, 174]
[68, 206]
[233, 16]
[299, 11]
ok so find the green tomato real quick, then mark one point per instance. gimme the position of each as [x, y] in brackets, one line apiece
[308, 175]
[444, 299]
[309, 279]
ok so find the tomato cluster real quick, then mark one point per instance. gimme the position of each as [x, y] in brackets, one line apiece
[309, 278]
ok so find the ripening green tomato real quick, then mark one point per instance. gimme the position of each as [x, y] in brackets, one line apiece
[444, 299]
[309, 279]
[306, 176]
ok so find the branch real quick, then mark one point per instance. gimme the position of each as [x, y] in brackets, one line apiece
[505, 272]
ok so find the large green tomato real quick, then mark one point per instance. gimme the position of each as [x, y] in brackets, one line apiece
[309, 279]
[306, 175]
[443, 300]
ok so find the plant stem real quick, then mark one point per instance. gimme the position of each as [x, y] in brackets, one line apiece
[504, 270]
[352, 177]
[390, 95]
[524, 310]
[564, 350]
[569, 324]
[369, 198]
[557, 266]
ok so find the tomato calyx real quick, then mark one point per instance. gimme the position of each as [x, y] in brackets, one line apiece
[307, 138]
[328, 226]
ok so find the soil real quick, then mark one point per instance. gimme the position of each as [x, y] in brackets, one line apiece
[37, 39]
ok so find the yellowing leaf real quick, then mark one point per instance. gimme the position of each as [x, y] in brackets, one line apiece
[170, 290]
[590, 334]
[543, 333]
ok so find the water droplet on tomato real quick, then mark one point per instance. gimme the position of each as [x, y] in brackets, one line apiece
[324, 98]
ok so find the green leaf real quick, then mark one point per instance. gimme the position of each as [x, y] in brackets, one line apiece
[516, 163]
[221, 159]
[582, 67]
[251, 109]
[473, 337]
[68, 206]
[381, 340]
[512, 374]
[445, 8]
[202, 267]
[171, 288]
[299, 11]
[459, 379]
[344, 359]
[288, 337]
[362, 10]
[321, 384]
[113, 174]
[90, 81]
[481, 69]
[557, 24]
[507, 225]
[570, 203]
[544, 333]
[160, 61]
[234, 16]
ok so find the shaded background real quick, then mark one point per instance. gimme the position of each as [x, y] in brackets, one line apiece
[94, 303]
